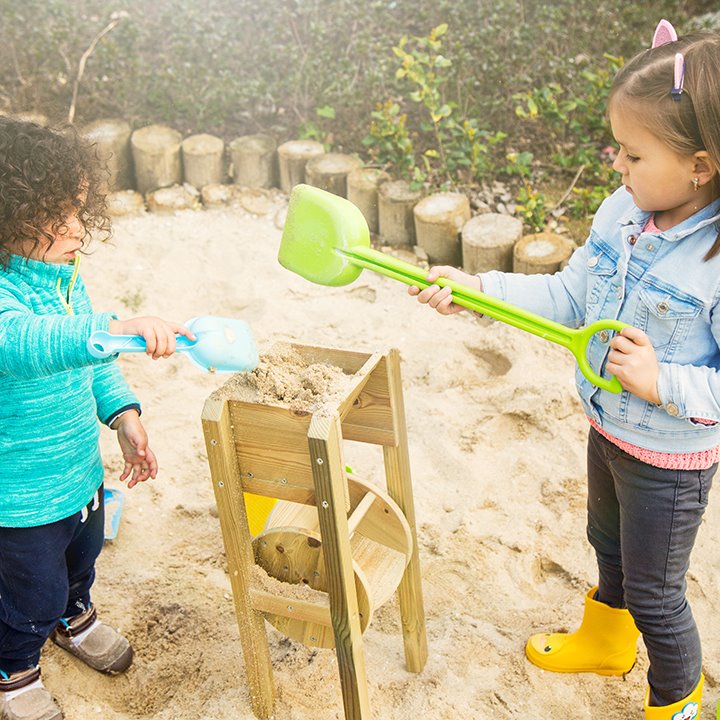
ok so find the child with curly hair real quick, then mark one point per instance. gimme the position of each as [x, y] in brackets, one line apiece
[53, 394]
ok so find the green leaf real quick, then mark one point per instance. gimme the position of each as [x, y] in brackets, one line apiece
[326, 111]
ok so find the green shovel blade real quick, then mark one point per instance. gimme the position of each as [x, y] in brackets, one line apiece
[331, 225]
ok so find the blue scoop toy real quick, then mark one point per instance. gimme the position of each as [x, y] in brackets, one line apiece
[222, 344]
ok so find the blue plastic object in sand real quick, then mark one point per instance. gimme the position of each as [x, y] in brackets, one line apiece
[222, 344]
[113, 499]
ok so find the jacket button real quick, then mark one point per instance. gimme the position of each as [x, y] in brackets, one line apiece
[604, 336]
[672, 409]
[662, 307]
[632, 239]
[650, 247]
[592, 262]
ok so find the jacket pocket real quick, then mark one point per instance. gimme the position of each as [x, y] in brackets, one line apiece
[601, 268]
[666, 315]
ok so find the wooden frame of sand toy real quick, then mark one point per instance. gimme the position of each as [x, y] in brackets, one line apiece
[334, 547]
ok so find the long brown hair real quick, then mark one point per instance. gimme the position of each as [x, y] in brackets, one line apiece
[690, 123]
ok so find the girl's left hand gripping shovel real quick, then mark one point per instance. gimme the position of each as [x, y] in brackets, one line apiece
[222, 344]
[326, 240]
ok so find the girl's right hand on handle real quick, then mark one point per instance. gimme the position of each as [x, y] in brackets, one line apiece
[159, 334]
[440, 298]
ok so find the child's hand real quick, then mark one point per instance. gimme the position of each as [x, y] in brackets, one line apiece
[139, 458]
[440, 298]
[633, 361]
[159, 334]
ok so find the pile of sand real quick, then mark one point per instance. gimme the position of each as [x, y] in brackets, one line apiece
[284, 377]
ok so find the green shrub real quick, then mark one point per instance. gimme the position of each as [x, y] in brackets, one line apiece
[238, 67]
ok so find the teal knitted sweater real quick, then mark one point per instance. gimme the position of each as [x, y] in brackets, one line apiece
[52, 392]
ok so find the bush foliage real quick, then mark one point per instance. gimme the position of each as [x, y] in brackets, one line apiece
[443, 91]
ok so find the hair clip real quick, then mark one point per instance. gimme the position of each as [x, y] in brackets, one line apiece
[664, 33]
[678, 76]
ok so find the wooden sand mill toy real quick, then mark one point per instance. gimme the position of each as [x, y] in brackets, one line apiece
[348, 544]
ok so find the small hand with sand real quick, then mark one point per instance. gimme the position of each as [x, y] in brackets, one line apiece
[139, 458]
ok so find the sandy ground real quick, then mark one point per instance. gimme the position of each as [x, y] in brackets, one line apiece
[497, 443]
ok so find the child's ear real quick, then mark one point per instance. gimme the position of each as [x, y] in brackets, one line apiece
[703, 167]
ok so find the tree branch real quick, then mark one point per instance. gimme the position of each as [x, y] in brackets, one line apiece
[116, 18]
[570, 189]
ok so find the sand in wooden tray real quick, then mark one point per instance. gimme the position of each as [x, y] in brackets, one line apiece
[284, 377]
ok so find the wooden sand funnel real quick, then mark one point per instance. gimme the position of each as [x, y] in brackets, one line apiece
[290, 549]
[335, 547]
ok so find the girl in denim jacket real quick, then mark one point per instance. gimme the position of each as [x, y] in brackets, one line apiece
[653, 261]
[53, 395]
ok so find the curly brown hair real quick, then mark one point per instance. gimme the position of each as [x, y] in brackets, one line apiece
[44, 176]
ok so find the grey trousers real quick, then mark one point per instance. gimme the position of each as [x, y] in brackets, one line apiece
[642, 523]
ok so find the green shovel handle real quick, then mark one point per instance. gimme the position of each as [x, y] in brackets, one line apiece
[575, 340]
[578, 347]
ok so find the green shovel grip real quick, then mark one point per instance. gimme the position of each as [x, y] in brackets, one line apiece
[578, 348]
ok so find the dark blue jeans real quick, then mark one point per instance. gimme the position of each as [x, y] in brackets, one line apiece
[45, 573]
[642, 523]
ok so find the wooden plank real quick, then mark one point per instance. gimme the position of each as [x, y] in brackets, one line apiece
[227, 485]
[348, 361]
[397, 473]
[360, 511]
[383, 520]
[370, 418]
[291, 608]
[360, 379]
[324, 441]
[271, 447]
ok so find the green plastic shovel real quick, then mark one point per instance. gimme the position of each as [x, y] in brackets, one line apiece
[326, 240]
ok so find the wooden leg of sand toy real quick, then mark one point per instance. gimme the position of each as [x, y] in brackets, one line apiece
[227, 485]
[399, 485]
[324, 438]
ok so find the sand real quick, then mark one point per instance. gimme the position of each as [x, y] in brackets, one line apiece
[497, 443]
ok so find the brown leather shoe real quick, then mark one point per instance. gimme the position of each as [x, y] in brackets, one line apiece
[98, 645]
[23, 697]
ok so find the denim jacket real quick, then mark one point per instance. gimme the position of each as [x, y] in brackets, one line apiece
[658, 283]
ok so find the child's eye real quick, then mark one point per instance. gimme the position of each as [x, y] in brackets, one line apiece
[631, 158]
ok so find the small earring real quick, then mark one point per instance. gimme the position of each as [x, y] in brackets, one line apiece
[696, 183]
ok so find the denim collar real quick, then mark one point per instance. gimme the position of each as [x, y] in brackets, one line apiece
[705, 216]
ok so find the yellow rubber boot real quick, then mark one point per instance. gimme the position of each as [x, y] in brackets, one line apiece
[605, 643]
[686, 709]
